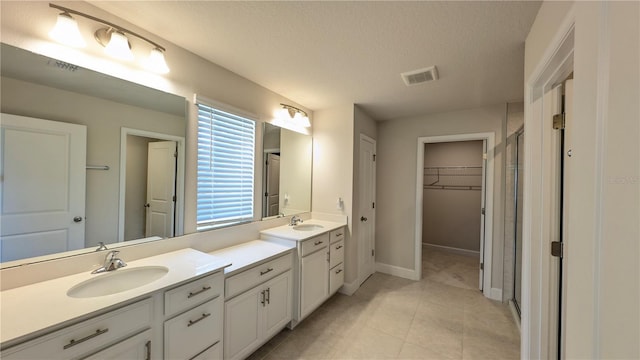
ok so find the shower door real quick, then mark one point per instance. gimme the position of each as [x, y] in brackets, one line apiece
[519, 172]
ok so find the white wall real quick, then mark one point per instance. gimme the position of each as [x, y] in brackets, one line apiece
[333, 171]
[396, 180]
[602, 244]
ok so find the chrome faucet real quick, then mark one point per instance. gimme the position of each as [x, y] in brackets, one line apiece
[111, 263]
[295, 220]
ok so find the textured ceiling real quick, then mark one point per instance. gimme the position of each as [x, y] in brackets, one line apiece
[323, 54]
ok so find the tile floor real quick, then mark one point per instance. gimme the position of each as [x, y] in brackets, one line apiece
[443, 316]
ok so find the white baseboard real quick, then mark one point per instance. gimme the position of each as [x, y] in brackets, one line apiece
[349, 288]
[496, 294]
[397, 271]
[454, 250]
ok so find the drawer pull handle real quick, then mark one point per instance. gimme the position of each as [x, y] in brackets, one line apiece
[204, 316]
[317, 243]
[88, 337]
[204, 288]
[338, 247]
[339, 271]
[266, 271]
[338, 235]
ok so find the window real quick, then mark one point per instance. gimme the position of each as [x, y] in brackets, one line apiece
[226, 148]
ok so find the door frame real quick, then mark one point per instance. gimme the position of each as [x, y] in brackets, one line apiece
[373, 141]
[488, 181]
[179, 205]
[553, 68]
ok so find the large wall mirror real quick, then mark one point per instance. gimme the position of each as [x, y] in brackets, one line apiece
[287, 172]
[131, 158]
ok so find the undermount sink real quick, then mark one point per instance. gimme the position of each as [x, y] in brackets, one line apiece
[308, 227]
[117, 281]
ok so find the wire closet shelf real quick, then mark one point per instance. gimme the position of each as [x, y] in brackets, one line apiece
[453, 177]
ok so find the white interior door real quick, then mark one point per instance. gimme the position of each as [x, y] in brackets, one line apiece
[366, 212]
[273, 185]
[42, 172]
[161, 187]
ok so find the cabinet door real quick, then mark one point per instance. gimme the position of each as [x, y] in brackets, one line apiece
[242, 323]
[278, 309]
[314, 281]
[137, 347]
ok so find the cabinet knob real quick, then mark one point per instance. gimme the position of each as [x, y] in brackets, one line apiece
[362, 218]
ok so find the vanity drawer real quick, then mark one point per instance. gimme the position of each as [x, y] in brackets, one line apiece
[337, 235]
[87, 336]
[193, 293]
[336, 278]
[247, 279]
[314, 244]
[336, 253]
[214, 352]
[189, 334]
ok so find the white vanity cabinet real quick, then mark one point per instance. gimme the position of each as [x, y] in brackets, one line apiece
[135, 348]
[258, 306]
[314, 275]
[106, 333]
[176, 316]
[336, 257]
[197, 327]
[318, 270]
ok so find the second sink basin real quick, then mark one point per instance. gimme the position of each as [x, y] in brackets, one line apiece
[117, 281]
[308, 227]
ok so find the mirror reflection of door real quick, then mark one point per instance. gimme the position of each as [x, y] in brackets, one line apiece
[150, 188]
[42, 188]
[272, 194]
[161, 189]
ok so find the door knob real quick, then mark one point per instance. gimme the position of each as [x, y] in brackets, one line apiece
[77, 219]
[362, 218]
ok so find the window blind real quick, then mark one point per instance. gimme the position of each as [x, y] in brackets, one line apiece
[226, 144]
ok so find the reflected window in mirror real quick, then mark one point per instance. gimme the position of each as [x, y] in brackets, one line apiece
[226, 148]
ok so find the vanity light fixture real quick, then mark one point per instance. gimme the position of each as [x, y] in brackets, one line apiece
[113, 38]
[66, 31]
[292, 113]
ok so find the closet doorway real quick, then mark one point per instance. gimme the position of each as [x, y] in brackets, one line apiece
[454, 209]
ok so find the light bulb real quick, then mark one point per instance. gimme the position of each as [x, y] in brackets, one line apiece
[156, 62]
[118, 46]
[66, 31]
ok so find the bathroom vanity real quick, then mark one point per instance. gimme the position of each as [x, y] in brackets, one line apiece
[178, 315]
[184, 304]
[318, 264]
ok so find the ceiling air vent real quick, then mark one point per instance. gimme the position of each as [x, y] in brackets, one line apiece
[416, 77]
